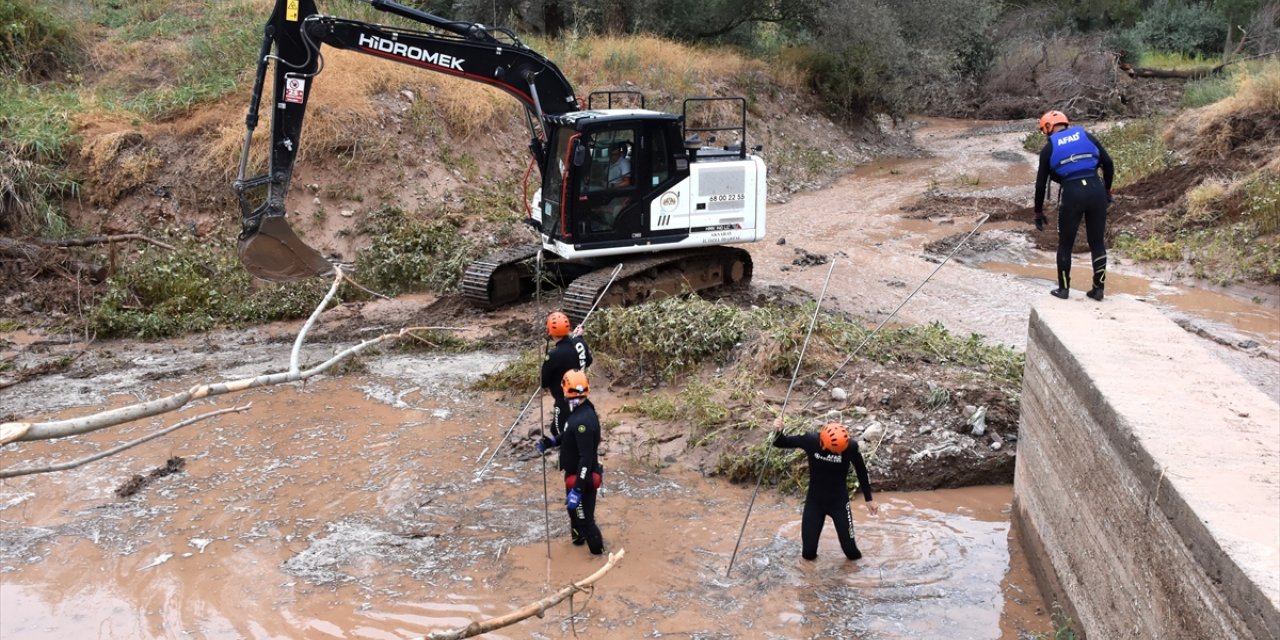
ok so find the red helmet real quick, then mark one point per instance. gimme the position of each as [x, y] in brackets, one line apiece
[834, 437]
[574, 384]
[557, 324]
[1051, 119]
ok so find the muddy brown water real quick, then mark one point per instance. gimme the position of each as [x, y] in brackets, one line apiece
[349, 508]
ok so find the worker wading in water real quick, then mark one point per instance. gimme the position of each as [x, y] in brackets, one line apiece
[831, 452]
[1071, 157]
[579, 459]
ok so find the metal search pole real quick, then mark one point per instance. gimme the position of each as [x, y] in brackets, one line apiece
[480, 473]
[613, 276]
[873, 333]
[772, 434]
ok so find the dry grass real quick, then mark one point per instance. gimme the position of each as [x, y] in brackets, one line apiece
[652, 65]
[1204, 202]
[118, 161]
[1248, 118]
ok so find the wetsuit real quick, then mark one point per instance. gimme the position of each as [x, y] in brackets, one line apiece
[579, 447]
[828, 492]
[1071, 158]
[569, 353]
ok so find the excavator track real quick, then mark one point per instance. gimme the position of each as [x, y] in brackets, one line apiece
[501, 277]
[653, 277]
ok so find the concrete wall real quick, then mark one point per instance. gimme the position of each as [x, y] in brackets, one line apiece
[1147, 485]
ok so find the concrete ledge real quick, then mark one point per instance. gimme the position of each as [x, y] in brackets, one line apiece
[1148, 474]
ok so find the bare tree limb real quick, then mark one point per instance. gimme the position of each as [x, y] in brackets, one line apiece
[24, 431]
[302, 334]
[528, 611]
[96, 240]
[13, 473]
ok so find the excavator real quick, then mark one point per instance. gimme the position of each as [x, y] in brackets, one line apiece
[619, 184]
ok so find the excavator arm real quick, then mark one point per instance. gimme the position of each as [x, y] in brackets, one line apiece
[292, 39]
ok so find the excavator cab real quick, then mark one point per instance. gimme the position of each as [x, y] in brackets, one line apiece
[604, 171]
[620, 183]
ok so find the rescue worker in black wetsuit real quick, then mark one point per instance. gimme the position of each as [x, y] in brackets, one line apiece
[570, 352]
[579, 459]
[1071, 157]
[831, 452]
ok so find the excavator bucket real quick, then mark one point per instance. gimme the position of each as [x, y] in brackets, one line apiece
[274, 252]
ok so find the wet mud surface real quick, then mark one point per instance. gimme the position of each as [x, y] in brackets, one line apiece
[893, 221]
[350, 508]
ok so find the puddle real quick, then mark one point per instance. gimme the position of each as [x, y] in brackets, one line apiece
[348, 508]
[1260, 320]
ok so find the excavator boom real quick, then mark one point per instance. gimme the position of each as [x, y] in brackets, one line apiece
[292, 39]
[617, 185]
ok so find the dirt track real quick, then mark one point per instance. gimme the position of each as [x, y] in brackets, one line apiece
[988, 286]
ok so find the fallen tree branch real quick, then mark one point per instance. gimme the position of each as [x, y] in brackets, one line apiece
[13, 473]
[90, 241]
[43, 256]
[24, 431]
[528, 611]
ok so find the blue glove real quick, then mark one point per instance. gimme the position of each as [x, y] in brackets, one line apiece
[574, 499]
[546, 443]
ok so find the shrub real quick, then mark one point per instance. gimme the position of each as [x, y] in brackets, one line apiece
[667, 337]
[1137, 149]
[1181, 26]
[410, 254]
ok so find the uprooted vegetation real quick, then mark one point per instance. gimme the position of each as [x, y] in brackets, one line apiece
[708, 391]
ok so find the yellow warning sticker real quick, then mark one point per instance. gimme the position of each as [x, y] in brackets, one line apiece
[291, 11]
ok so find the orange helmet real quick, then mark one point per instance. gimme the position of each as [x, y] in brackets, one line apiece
[557, 324]
[834, 437]
[1051, 119]
[574, 384]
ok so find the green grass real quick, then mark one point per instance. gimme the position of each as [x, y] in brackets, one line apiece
[215, 49]
[36, 131]
[38, 122]
[1227, 234]
[36, 40]
[522, 374]
[1176, 61]
[1137, 149]
[1062, 630]
[1146, 249]
[1232, 253]
[1205, 91]
[698, 406]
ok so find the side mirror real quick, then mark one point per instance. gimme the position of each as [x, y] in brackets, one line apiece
[579, 155]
